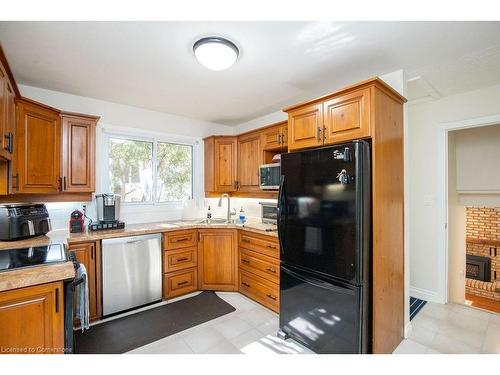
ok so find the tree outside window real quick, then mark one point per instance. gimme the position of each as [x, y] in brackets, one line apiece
[131, 166]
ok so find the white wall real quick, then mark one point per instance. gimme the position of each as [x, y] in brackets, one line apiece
[395, 79]
[424, 176]
[456, 229]
[127, 119]
[478, 156]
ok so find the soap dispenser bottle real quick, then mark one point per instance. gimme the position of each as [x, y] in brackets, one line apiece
[209, 215]
[243, 217]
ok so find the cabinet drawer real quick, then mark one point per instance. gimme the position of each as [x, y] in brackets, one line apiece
[179, 239]
[260, 290]
[180, 282]
[261, 265]
[262, 244]
[180, 259]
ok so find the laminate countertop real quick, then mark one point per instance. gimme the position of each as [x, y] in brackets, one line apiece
[23, 277]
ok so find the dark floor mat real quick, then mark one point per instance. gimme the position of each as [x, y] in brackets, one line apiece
[132, 331]
[415, 306]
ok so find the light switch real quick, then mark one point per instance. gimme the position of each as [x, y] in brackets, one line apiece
[428, 200]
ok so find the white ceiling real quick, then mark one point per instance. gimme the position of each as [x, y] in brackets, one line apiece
[151, 64]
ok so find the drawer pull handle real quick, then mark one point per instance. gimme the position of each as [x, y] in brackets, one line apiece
[182, 283]
[245, 261]
[182, 259]
[245, 240]
[271, 297]
[271, 246]
[270, 269]
[245, 284]
[181, 239]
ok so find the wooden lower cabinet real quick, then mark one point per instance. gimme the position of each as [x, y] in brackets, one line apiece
[260, 290]
[180, 239]
[32, 319]
[261, 265]
[89, 254]
[180, 282]
[217, 260]
[180, 263]
[259, 268]
[179, 259]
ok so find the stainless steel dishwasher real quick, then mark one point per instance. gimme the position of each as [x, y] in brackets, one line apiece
[131, 272]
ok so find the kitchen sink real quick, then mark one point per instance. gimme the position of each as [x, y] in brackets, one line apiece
[216, 221]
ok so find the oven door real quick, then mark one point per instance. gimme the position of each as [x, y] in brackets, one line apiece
[269, 176]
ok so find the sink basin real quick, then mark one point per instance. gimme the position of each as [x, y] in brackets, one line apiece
[216, 221]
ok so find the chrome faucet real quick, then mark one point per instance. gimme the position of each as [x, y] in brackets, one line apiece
[229, 212]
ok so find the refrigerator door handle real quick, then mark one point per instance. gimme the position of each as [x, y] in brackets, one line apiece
[281, 212]
[317, 282]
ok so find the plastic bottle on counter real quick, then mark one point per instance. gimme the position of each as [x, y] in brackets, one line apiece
[243, 217]
[209, 214]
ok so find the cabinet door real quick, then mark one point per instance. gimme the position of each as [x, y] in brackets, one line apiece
[78, 154]
[249, 159]
[284, 135]
[272, 138]
[217, 260]
[305, 126]
[87, 254]
[38, 154]
[32, 319]
[3, 107]
[225, 164]
[347, 117]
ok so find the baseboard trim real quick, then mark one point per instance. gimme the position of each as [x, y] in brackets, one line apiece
[426, 295]
[408, 329]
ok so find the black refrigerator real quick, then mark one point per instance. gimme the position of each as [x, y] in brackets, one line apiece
[325, 238]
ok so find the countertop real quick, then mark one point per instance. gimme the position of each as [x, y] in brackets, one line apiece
[29, 276]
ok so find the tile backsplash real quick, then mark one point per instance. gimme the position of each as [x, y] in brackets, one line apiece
[147, 213]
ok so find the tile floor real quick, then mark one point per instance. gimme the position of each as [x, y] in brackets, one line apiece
[452, 329]
[251, 329]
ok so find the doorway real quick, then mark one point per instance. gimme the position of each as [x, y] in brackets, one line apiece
[473, 210]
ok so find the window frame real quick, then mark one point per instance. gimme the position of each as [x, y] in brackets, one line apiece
[153, 138]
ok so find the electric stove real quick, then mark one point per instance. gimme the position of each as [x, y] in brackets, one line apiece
[32, 256]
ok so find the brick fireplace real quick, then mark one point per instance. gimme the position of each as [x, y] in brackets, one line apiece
[483, 252]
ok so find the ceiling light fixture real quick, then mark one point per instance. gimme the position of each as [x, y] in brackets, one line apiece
[215, 53]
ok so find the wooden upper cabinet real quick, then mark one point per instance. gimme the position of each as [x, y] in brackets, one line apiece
[275, 137]
[220, 164]
[284, 135]
[225, 164]
[38, 149]
[249, 159]
[217, 260]
[32, 319]
[88, 254]
[7, 115]
[78, 153]
[347, 117]
[305, 127]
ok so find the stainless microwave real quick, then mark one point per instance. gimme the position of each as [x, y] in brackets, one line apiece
[269, 176]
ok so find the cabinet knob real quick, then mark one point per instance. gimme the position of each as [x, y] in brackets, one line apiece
[271, 297]
[245, 284]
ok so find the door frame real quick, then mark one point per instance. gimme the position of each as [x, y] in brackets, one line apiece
[442, 136]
